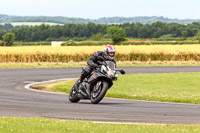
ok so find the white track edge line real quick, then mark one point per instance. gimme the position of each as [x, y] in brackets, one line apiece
[28, 86]
[57, 80]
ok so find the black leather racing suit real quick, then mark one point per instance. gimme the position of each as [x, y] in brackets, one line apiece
[92, 64]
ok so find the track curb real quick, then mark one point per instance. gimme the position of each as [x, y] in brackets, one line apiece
[28, 86]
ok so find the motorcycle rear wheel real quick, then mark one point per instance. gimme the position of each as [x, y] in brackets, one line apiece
[98, 94]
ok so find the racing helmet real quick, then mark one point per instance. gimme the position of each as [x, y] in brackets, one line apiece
[109, 51]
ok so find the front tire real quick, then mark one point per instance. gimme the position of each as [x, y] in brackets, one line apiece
[73, 95]
[99, 91]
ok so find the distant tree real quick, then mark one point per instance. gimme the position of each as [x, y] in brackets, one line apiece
[116, 34]
[8, 27]
[184, 34]
[9, 38]
[1, 43]
[167, 36]
[70, 43]
[197, 36]
[97, 37]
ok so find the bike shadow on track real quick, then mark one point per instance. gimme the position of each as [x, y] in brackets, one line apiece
[102, 103]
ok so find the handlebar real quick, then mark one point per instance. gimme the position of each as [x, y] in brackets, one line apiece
[104, 63]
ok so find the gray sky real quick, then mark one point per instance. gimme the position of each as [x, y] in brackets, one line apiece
[182, 9]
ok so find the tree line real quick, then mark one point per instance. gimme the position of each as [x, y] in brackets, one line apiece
[104, 20]
[85, 31]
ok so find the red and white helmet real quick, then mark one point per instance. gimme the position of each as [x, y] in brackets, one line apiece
[109, 51]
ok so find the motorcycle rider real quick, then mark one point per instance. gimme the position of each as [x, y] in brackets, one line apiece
[108, 54]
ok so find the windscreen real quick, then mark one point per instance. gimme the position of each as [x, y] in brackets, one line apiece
[111, 65]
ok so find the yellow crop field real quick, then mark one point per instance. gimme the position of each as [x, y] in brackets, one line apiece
[82, 53]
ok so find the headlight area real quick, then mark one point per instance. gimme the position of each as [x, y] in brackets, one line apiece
[111, 74]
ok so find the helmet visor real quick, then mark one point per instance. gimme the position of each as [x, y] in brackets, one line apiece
[111, 54]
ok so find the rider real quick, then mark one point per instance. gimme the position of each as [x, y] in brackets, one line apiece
[108, 54]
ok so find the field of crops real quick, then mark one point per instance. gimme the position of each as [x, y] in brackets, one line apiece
[82, 53]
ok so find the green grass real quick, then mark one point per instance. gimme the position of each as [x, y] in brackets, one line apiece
[41, 125]
[171, 87]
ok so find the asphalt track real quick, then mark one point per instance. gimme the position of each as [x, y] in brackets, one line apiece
[16, 101]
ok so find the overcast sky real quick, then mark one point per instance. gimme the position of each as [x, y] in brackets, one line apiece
[182, 9]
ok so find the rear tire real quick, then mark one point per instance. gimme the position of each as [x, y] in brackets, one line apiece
[73, 95]
[98, 94]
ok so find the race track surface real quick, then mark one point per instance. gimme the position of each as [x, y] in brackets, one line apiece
[16, 101]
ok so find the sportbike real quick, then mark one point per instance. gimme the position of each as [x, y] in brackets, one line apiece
[95, 86]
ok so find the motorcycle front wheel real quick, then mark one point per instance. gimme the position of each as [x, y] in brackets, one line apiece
[73, 95]
[98, 92]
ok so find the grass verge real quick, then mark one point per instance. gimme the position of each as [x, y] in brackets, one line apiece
[41, 125]
[80, 64]
[169, 87]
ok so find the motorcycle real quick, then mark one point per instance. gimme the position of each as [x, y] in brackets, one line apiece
[95, 86]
